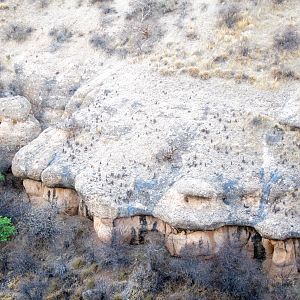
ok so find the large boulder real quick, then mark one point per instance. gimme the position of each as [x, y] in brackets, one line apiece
[196, 154]
[18, 127]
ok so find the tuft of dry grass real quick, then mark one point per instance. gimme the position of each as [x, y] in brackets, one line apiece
[89, 271]
[283, 73]
[193, 71]
[77, 263]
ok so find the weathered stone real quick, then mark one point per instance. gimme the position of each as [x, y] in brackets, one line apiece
[41, 153]
[15, 108]
[150, 148]
[18, 127]
[66, 200]
[279, 257]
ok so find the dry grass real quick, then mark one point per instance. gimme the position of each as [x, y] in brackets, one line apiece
[240, 49]
[77, 263]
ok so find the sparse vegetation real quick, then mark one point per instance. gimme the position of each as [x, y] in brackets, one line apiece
[142, 10]
[78, 263]
[41, 3]
[229, 15]
[59, 36]
[278, 1]
[74, 265]
[18, 32]
[142, 29]
[2, 177]
[283, 73]
[102, 42]
[288, 40]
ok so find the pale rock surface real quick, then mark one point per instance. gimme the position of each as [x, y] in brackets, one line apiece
[18, 127]
[196, 154]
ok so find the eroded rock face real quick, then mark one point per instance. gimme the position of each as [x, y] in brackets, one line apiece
[18, 127]
[197, 155]
[280, 258]
[66, 200]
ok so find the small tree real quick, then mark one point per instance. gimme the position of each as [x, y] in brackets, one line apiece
[7, 229]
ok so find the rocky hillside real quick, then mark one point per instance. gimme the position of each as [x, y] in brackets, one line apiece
[183, 112]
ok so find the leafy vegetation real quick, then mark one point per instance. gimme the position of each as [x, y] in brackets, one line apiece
[2, 178]
[7, 229]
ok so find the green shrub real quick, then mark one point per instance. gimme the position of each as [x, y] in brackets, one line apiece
[2, 178]
[7, 229]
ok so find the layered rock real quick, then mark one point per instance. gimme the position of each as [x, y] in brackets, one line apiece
[18, 127]
[280, 258]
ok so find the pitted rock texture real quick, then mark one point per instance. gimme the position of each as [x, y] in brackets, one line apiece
[279, 257]
[196, 154]
[18, 127]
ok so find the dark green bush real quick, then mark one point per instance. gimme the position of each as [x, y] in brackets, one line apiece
[7, 229]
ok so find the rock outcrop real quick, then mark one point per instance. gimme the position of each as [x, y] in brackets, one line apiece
[18, 127]
[280, 258]
[65, 200]
[176, 120]
[197, 155]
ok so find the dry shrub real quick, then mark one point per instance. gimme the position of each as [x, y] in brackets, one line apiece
[59, 36]
[17, 32]
[102, 42]
[229, 15]
[288, 40]
[283, 73]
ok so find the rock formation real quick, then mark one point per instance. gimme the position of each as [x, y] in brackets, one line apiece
[279, 257]
[192, 160]
[65, 200]
[18, 127]
[195, 160]
[206, 154]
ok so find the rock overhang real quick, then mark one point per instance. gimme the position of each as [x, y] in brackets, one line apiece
[193, 158]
